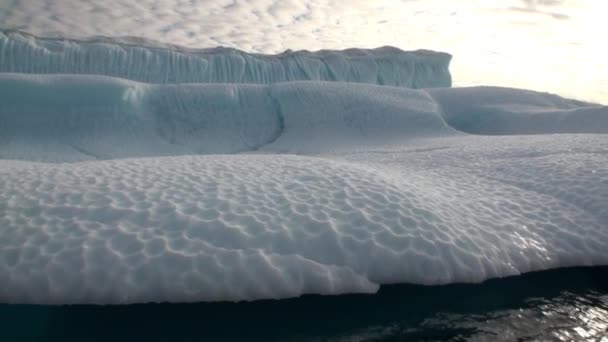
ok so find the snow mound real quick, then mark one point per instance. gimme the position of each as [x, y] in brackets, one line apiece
[68, 117]
[63, 118]
[24, 53]
[499, 111]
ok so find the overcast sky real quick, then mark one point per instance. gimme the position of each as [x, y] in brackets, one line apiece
[547, 45]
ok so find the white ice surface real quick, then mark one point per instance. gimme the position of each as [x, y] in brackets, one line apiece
[157, 63]
[388, 188]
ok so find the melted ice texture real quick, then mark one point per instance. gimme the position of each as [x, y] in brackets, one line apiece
[113, 190]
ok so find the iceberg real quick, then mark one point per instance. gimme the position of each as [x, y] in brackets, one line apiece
[157, 63]
[114, 190]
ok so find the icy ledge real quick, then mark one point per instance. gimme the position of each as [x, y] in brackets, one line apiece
[63, 118]
[23, 53]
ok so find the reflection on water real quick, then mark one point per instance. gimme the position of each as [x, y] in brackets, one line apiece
[555, 305]
[565, 318]
[568, 317]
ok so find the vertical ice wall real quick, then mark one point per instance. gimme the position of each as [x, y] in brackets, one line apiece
[23, 53]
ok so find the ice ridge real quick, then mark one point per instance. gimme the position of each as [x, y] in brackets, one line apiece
[24, 53]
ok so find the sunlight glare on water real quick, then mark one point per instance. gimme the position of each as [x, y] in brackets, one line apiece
[568, 317]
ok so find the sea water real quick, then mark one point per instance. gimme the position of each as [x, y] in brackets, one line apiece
[558, 305]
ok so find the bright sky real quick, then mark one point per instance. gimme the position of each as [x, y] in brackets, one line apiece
[547, 45]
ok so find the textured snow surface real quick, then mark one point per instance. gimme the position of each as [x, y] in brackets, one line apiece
[21, 52]
[241, 227]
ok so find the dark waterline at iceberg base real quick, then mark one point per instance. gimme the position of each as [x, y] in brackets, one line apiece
[564, 304]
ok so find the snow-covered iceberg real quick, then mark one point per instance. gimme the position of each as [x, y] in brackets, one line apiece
[117, 191]
[156, 63]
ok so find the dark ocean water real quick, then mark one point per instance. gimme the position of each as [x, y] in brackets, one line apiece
[566, 304]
